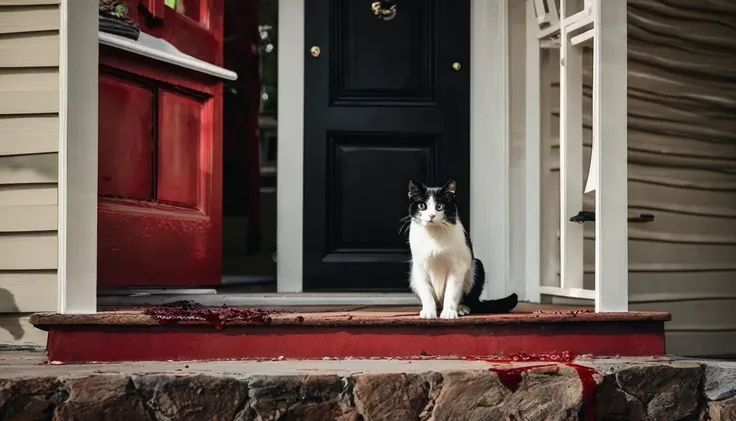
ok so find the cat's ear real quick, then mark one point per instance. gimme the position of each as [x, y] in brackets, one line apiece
[414, 188]
[450, 186]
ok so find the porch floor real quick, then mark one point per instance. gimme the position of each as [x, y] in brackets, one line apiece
[530, 332]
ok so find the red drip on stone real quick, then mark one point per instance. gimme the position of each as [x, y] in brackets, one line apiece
[511, 378]
[188, 311]
[589, 387]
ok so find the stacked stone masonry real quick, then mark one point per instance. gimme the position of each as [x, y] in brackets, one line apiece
[651, 390]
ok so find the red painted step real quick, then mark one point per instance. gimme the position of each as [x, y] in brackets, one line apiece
[135, 336]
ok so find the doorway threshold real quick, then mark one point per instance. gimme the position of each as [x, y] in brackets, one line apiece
[134, 297]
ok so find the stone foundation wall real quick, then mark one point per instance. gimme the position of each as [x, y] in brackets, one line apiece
[619, 390]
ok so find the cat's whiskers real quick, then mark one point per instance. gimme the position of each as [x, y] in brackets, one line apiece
[404, 227]
[406, 221]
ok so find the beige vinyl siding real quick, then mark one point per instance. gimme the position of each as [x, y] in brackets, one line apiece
[29, 164]
[29, 90]
[28, 2]
[34, 134]
[16, 20]
[38, 49]
[682, 169]
[27, 287]
[16, 330]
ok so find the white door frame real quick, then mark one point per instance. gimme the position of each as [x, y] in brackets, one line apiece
[490, 121]
[489, 146]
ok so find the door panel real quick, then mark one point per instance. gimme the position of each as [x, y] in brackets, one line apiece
[160, 225]
[375, 60]
[382, 104]
[160, 159]
[179, 134]
[126, 153]
[400, 159]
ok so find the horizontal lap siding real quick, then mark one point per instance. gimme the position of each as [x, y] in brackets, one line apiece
[29, 164]
[16, 329]
[682, 169]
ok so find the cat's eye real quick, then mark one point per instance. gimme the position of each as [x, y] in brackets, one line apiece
[440, 206]
[422, 206]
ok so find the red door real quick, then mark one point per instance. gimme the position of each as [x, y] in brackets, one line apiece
[160, 154]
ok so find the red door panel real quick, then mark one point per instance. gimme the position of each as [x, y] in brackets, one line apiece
[179, 134]
[126, 139]
[160, 166]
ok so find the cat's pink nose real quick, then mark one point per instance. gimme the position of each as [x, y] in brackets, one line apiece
[431, 216]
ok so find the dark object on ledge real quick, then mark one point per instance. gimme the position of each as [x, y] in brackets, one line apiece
[114, 20]
[583, 216]
[642, 218]
[588, 216]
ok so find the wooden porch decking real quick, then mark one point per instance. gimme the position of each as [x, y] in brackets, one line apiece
[530, 332]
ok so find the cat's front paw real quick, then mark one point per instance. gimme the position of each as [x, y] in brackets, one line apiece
[428, 313]
[448, 314]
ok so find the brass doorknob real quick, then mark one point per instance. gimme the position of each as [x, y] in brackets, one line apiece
[314, 51]
[456, 66]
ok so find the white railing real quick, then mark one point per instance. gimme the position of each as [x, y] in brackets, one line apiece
[602, 24]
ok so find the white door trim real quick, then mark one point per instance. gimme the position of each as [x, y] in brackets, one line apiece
[77, 225]
[290, 162]
[489, 144]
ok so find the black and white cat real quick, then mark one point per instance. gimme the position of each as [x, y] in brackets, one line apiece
[444, 271]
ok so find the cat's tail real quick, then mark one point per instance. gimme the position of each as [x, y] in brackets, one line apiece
[502, 305]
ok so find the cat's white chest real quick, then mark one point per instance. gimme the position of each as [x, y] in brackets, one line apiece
[438, 254]
[435, 247]
[424, 245]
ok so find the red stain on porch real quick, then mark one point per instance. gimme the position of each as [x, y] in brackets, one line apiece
[572, 313]
[559, 357]
[511, 377]
[585, 374]
[187, 311]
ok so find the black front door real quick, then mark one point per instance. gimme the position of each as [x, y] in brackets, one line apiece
[385, 100]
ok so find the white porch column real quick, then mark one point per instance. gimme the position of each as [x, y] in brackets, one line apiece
[610, 149]
[571, 156]
[533, 156]
[78, 68]
[489, 131]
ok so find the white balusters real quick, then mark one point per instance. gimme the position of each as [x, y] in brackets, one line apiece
[580, 23]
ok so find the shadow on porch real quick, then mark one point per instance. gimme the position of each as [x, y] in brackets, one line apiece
[193, 332]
